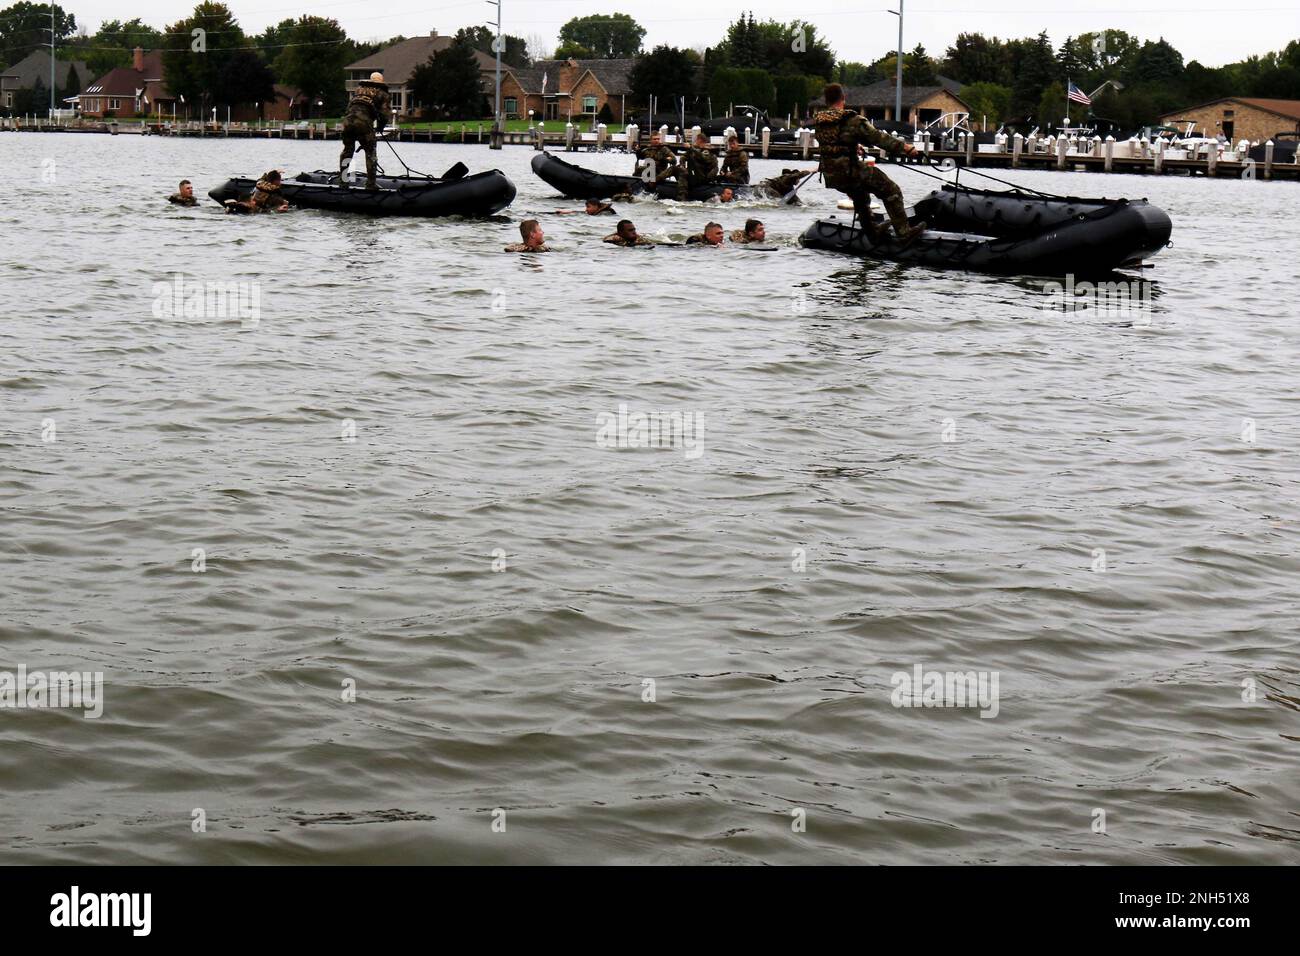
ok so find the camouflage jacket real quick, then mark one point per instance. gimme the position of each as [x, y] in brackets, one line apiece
[524, 247]
[661, 156]
[614, 239]
[700, 163]
[370, 102]
[735, 166]
[179, 200]
[840, 132]
[740, 236]
[266, 195]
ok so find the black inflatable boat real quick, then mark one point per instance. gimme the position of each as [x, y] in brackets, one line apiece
[575, 182]
[1012, 233]
[480, 194]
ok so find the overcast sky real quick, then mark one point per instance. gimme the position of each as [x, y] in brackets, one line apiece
[1212, 31]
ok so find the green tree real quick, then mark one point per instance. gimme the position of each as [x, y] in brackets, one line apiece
[975, 58]
[857, 74]
[609, 36]
[244, 78]
[919, 69]
[274, 39]
[666, 72]
[315, 52]
[1155, 62]
[514, 50]
[25, 28]
[742, 86]
[111, 46]
[991, 101]
[1051, 108]
[195, 64]
[448, 85]
[1036, 71]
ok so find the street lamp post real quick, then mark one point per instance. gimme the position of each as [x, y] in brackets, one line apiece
[898, 80]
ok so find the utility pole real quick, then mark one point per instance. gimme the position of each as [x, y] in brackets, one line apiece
[898, 82]
[498, 129]
[51, 61]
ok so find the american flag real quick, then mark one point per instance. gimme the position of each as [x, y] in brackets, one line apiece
[1079, 96]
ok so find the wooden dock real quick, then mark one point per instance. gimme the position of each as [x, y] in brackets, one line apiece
[1010, 153]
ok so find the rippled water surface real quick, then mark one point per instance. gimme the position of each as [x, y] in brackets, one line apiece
[975, 482]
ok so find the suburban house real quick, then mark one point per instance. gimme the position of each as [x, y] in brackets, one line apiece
[128, 90]
[1237, 118]
[921, 104]
[33, 71]
[558, 89]
[398, 63]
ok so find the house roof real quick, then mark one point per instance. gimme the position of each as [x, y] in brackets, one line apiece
[398, 62]
[125, 80]
[1288, 108]
[613, 75]
[884, 92]
[36, 66]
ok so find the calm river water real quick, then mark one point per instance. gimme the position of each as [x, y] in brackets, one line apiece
[395, 485]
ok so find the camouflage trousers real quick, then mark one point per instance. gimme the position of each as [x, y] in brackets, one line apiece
[686, 182]
[863, 181]
[358, 132]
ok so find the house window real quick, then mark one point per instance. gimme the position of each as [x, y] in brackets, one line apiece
[512, 104]
[589, 104]
[114, 104]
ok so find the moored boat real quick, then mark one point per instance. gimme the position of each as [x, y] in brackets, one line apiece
[576, 182]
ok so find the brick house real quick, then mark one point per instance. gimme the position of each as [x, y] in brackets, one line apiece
[128, 90]
[921, 104]
[558, 89]
[398, 63]
[1237, 118]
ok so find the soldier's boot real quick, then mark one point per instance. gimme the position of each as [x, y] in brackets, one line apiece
[370, 172]
[876, 232]
[683, 189]
[898, 216]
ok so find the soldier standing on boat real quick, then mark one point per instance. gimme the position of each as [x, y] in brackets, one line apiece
[840, 134]
[369, 105]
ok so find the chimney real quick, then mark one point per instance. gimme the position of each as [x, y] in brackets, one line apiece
[433, 33]
[137, 60]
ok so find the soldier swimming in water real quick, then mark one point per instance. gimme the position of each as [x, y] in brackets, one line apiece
[369, 105]
[625, 234]
[266, 196]
[711, 236]
[534, 239]
[754, 231]
[184, 195]
[841, 133]
[593, 207]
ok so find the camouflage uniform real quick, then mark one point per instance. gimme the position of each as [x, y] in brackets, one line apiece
[179, 200]
[660, 159]
[740, 236]
[698, 167]
[614, 239]
[369, 104]
[699, 240]
[266, 195]
[735, 166]
[524, 247]
[778, 186]
[839, 132]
